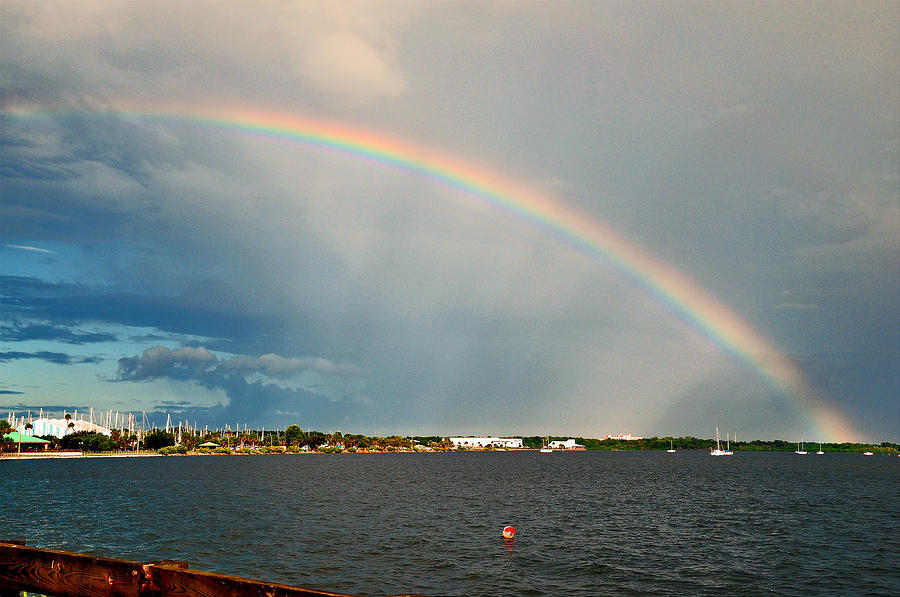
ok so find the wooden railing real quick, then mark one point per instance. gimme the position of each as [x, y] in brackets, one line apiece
[65, 574]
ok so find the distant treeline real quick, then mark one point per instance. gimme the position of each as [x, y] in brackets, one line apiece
[293, 439]
[697, 443]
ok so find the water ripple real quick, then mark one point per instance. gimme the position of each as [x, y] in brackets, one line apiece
[587, 523]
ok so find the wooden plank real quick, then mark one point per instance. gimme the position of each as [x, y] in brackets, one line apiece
[194, 583]
[65, 574]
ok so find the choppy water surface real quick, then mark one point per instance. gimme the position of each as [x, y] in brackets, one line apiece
[588, 523]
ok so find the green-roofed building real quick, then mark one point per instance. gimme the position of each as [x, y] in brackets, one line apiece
[24, 443]
[17, 437]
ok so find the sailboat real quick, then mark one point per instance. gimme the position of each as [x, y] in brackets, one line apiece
[671, 449]
[820, 449]
[800, 449]
[546, 447]
[718, 451]
[728, 451]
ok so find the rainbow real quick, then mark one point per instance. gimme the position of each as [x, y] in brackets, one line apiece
[681, 295]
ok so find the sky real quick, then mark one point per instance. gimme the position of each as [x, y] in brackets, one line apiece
[455, 218]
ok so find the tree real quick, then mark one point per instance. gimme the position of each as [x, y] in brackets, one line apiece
[97, 442]
[121, 441]
[5, 428]
[314, 439]
[54, 441]
[158, 439]
[293, 435]
[72, 441]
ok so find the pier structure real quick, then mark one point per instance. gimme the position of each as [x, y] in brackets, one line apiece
[65, 574]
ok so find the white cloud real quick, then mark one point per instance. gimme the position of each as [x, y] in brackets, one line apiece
[280, 367]
[340, 51]
[345, 66]
[27, 248]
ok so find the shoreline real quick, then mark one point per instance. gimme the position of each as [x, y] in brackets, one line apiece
[71, 455]
[39, 456]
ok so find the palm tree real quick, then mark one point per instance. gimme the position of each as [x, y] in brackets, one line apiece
[28, 428]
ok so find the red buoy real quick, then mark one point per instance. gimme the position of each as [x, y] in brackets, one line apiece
[509, 532]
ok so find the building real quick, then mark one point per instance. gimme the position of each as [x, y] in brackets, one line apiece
[569, 444]
[625, 437]
[26, 443]
[40, 427]
[484, 442]
[59, 427]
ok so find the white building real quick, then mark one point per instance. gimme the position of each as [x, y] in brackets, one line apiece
[484, 442]
[507, 442]
[59, 427]
[569, 444]
[625, 437]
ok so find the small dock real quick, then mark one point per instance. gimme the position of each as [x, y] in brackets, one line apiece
[65, 574]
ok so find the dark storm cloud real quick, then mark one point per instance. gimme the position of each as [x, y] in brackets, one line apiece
[56, 358]
[30, 299]
[63, 180]
[263, 404]
[259, 400]
[35, 331]
[35, 211]
[48, 408]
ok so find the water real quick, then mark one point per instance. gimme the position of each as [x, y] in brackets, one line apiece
[588, 523]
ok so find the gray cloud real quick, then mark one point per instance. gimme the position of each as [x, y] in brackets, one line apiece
[57, 358]
[247, 400]
[159, 361]
[36, 331]
[197, 362]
